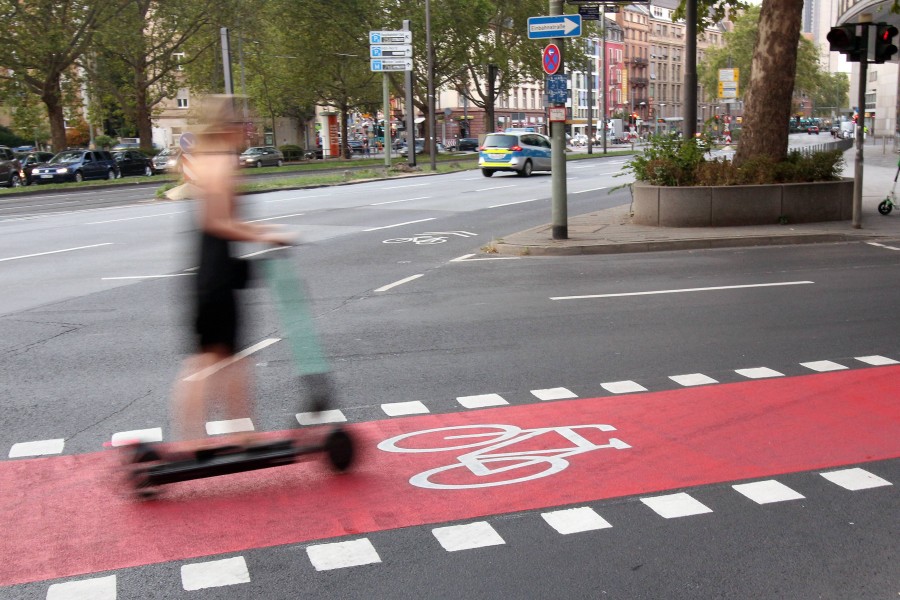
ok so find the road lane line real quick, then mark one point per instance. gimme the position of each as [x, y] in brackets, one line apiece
[385, 288]
[299, 198]
[404, 200]
[400, 187]
[55, 251]
[400, 224]
[179, 212]
[516, 202]
[590, 190]
[706, 289]
[276, 218]
[496, 187]
[145, 276]
[215, 368]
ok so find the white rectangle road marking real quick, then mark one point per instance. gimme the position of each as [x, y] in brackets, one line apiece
[215, 573]
[55, 251]
[467, 537]
[575, 520]
[229, 426]
[404, 200]
[823, 366]
[99, 588]
[339, 555]
[318, 418]
[766, 492]
[876, 361]
[673, 506]
[399, 409]
[482, 400]
[137, 435]
[559, 393]
[385, 288]
[681, 291]
[692, 379]
[37, 448]
[400, 224]
[622, 387]
[511, 203]
[496, 187]
[855, 479]
[758, 373]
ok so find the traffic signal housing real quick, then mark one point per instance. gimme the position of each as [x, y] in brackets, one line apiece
[884, 43]
[843, 39]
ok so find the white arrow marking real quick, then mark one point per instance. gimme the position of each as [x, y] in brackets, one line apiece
[569, 25]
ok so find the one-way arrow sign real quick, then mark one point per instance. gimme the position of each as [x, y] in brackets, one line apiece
[555, 26]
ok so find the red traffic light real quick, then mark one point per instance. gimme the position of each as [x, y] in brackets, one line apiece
[884, 48]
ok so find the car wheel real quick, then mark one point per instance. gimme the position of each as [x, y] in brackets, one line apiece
[280, 163]
[78, 177]
[148, 171]
[14, 180]
[487, 172]
[526, 170]
[110, 174]
[259, 164]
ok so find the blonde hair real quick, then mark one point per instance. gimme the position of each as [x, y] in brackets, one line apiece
[217, 115]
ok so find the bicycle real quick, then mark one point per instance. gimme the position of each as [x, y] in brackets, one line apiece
[887, 205]
[418, 240]
[481, 462]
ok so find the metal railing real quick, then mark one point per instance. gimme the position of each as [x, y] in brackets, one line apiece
[842, 145]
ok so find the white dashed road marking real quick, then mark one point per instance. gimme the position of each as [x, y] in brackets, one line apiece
[216, 573]
[559, 393]
[676, 505]
[681, 291]
[877, 361]
[229, 426]
[147, 436]
[482, 400]
[575, 520]
[692, 379]
[38, 448]
[318, 418]
[822, 366]
[765, 492]
[467, 537]
[338, 555]
[385, 288]
[623, 387]
[400, 224]
[855, 479]
[55, 252]
[758, 373]
[99, 588]
[399, 409]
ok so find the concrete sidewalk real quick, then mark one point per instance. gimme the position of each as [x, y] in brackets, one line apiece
[610, 231]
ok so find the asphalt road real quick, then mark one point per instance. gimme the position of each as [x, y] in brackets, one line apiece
[410, 311]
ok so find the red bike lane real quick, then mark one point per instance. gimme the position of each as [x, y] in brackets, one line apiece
[71, 515]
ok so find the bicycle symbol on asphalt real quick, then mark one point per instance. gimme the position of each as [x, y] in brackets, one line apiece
[429, 237]
[487, 462]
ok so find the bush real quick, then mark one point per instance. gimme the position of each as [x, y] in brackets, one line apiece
[291, 152]
[669, 161]
[104, 141]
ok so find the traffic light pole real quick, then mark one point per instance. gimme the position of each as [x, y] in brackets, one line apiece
[860, 129]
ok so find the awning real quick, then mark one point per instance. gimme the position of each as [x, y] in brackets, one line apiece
[420, 120]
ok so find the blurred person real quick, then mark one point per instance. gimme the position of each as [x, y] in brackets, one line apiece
[215, 311]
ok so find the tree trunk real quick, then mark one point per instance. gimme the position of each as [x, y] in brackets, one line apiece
[345, 149]
[51, 96]
[142, 112]
[767, 107]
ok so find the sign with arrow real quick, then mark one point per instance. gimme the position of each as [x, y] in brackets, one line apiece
[555, 26]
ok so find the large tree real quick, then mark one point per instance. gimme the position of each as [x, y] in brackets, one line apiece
[41, 42]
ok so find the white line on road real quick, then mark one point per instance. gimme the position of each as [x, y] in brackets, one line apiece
[590, 190]
[299, 198]
[267, 250]
[706, 289]
[146, 276]
[179, 212]
[404, 200]
[400, 224]
[496, 187]
[276, 218]
[511, 203]
[385, 288]
[215, 368]
[400, 187]
[55, 251]
[882, 246]
[468, 258]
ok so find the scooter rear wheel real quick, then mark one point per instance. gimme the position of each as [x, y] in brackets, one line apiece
[339, 447]
[885, 207]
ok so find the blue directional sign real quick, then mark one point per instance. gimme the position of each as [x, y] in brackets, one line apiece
[555, 26]
[557, 92]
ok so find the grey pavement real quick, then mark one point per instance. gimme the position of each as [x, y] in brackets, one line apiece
[610, 231]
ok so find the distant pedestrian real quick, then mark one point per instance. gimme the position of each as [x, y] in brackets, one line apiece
[366, 151]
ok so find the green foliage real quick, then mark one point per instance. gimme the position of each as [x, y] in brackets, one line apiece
[8, 138]
[670, 161]
[291, 152]
[104, 141]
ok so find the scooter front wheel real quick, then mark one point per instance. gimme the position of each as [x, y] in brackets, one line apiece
[339, 447]
[885, 207]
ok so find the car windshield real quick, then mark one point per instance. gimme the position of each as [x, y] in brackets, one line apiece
[494, 140]
[65, 157]
[253, 151]
[168, 152]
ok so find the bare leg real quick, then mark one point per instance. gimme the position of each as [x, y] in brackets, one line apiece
[189, 407]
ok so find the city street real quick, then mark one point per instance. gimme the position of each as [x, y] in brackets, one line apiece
[699, 424]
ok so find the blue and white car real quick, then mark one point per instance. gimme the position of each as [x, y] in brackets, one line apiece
[519, 151]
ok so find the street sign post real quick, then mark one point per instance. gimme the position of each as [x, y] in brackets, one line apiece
[557, 92]
[556, 26]
[589, 12]
[551, 59]
[390, 37]
[391, 64]
[390, 51]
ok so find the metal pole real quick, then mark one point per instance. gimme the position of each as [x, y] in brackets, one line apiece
[690, 70]
[410, 112]
[604, 107]
[432, 123]
[386, 98]
[559, 198]
[226, 60]
[860, 121]
[590, 101]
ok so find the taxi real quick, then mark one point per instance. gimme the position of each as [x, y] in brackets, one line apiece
[519, 151]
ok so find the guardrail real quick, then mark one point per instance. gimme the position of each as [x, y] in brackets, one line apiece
[842, 145]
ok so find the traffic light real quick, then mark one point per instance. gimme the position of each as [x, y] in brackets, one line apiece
[843, 39]
[884, 46]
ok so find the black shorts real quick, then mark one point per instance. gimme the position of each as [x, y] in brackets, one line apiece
[216, 322]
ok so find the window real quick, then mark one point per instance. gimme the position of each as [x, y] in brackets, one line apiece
[179, 58]
[181, 99]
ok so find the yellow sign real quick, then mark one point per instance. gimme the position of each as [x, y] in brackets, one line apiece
[728, 83]
[625, 86]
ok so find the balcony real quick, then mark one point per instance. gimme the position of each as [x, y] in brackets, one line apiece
[638, 81]
[638, 61]
[850, 10]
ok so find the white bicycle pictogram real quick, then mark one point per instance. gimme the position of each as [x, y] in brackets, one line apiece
[487, 461]
[417, 239]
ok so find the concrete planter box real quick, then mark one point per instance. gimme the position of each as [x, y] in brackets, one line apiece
[724, 206]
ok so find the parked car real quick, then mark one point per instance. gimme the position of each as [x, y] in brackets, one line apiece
[28, 161]
[522, 152]
[355, 147]
[812, 130]
[134, 162]
[467, 145]
[167, 161]
[9, 168]
[261, 156]
[77, 165]
[420, 147]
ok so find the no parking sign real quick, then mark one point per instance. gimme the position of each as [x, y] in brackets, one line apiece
[551, 59]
